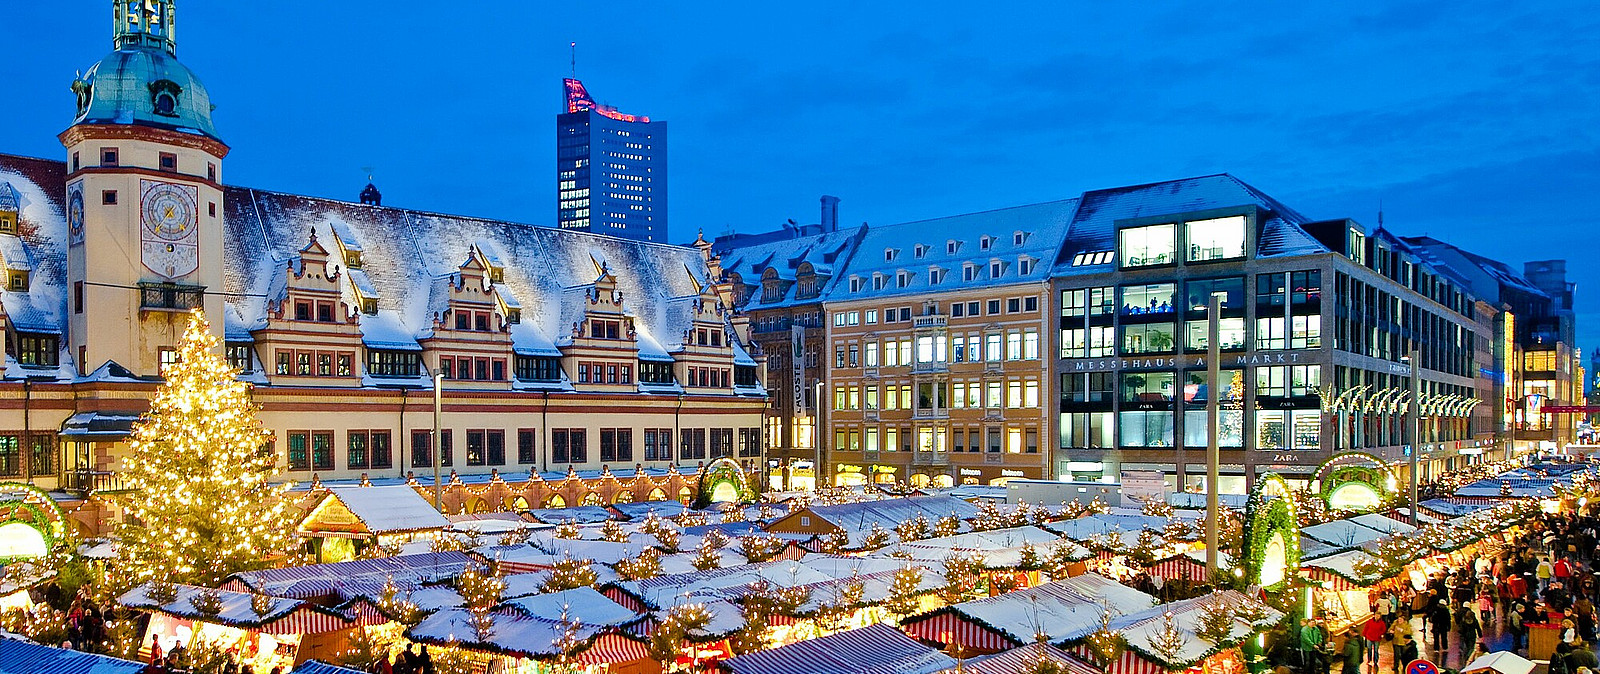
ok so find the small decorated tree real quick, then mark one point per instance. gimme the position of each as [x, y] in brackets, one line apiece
[569, 573]
[706, 555]
[200, 503]
[835, 542]
[904, 591]
[1106, 644]
[876, 537]
[666, 643]
[646, 565]
[961, 576]
[1168, 641]
[568, 530]
[1216, 618]
[612, 531]
[949, 525]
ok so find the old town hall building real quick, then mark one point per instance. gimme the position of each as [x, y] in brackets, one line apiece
[576, 368]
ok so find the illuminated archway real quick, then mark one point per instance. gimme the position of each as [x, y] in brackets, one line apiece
[1361, 487]
[943, 481]
[685, 495]
[517, 504]
[555, 501]
[30, 522]
[921, 480]
[656, 495]
[1271, 534]
[623, 496]
[724, 481]
[590, 499]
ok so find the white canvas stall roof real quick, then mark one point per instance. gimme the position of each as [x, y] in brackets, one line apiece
[582, 604]
[874, 649]
[1344, 533]
[1141, 627]
[1065, 610]
[390, 509]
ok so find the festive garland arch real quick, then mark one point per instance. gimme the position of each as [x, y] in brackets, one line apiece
[1356, 487]
[38, 513]
[723, 474]
[1271, 534]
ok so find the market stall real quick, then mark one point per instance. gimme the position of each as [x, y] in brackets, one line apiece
[265, 631]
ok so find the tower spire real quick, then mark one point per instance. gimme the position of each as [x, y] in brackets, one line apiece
[574, 60]
[145, 24]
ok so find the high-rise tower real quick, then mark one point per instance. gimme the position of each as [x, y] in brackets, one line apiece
[611, 169]
[144, 198]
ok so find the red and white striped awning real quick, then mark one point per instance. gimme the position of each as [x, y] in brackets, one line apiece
[613, 648]
[1179, 566]
[305, 620]
[947, 628]
[623, 598]
[1334, 580]
[509, 568]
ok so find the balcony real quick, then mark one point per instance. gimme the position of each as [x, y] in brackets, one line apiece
[941, 413]
[930, 459]
[930, 368]
[937, 321]
[84, 482]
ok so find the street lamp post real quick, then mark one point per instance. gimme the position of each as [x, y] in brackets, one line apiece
[1213, 432]
[1414, 420]
[438, 438]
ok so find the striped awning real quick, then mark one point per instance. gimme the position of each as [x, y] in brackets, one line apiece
[305, 620]
[1334, 580]
[614, 648]
[1180, 566]
[947, 628]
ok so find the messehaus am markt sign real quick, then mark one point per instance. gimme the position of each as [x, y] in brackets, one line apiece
[1258, 359]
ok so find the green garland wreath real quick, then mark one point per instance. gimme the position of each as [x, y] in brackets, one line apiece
[45, 517]
[1264, 517]
[1376, 478]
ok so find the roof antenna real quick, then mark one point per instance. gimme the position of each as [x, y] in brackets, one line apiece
[1380, 213]
[574, 60]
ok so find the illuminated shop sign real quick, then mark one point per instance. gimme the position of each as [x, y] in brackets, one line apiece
[1186, 362]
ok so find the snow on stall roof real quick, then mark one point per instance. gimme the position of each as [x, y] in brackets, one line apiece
[584, 604]
[1342, 564]
[18, 656]
[390, 508]
[1023, 659]
[236, 606]
[355, 578]
[1001, 548]
[1064, 610]
[512, 633]
[874, 649]
[1139, 628]
[1344, 533]
[857, 518]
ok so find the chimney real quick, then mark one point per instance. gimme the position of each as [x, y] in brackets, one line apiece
[830, 213]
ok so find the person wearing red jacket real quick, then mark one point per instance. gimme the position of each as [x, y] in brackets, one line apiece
[1372, 632]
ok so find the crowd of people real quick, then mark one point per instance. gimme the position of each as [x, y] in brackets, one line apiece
[1545, 578]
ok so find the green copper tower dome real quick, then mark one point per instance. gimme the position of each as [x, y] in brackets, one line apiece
[142, 83]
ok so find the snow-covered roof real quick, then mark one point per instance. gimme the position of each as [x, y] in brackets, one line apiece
[1094, 226]
[1062, 611]
[1001, 548]
[953, 243]
[857, 519]
[21, 656]
[236, 609]
[356, 578]
[1140, 628]
[874, 649]
[389, 508]
[1343, 533]
[783, 255]
[583, 604]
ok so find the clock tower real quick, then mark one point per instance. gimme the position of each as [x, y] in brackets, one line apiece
[144, 198]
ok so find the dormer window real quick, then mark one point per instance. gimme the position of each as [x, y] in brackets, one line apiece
[855, 284]
[921, 251]
[17, 281]
[969, 272]
[986, 242]
[369, 306]
[352, 259]
[935, 275]
[1019, 238]
[513, 316]
[902, 279]
[951, 246]
[888, 254]
[164, 97]
[879, 281]
[996, 269]
[497, 275]
[1024, 265]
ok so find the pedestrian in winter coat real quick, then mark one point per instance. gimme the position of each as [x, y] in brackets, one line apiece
[1468, 629]
[1582, 657]
[1440, 624]
[1351, 662]
[1372, 632]
[1401, 635]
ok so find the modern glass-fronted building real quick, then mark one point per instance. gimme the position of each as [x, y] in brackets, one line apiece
[611, 169]
[1316, 319]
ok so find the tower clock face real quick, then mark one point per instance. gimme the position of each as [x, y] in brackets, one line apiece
[75, 212]
[169, 235]
[169, 211]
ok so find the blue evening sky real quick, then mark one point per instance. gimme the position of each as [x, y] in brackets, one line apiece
[1472, 121]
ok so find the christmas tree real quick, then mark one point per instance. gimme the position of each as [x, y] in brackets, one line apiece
[200, 503]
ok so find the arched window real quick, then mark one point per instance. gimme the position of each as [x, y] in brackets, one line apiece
[685, 495]
[656, 495]
[555, 501]
[623, 496]
[518, 504]
[591, 499]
